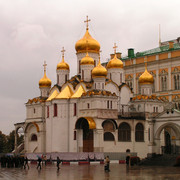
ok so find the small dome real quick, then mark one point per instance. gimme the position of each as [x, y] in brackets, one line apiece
[146, 78]
[115, 63]
[87, 60]
[45, 81]
[99, 71]
[92, 45]
[62, 65]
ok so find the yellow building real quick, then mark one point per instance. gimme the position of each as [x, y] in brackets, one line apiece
[163, 63]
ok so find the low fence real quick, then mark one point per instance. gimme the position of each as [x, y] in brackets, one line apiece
[118, 155]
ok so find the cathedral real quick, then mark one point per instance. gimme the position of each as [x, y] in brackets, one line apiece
[124, 105]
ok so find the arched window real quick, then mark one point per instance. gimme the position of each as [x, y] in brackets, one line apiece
[55, 109]
[108, 126]
[34, 137]
[124, 132]
[139, 133]
[108, 136]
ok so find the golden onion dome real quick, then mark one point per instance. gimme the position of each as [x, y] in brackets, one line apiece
[87, 60]
[45, 81]
[115, 63]
[99, 71]
[62, 65]
[146, 77]
[92, 45]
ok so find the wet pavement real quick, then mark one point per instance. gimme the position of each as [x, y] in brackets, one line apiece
[91, 172]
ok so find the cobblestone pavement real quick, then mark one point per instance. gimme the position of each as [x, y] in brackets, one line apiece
[91, 172]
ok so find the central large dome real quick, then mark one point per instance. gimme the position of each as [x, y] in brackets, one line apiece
[87, 43]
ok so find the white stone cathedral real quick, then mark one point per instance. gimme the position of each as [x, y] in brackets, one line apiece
[93, 111]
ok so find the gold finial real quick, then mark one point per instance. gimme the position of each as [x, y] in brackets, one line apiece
[44, 66]
[63, 50]
[87, 20]
[114, 48]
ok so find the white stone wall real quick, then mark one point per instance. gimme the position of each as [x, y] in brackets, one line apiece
[61, 76]
[87, 72]
[95, 56]
[116, 75]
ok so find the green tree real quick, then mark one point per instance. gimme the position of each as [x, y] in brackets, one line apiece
[3, 143]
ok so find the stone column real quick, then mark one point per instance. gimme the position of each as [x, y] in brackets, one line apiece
[98, 140]
[151, 138]
[15, 143]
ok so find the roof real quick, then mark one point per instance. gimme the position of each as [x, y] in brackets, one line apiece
[161, 49]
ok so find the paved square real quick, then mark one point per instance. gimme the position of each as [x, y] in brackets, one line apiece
[91, 172]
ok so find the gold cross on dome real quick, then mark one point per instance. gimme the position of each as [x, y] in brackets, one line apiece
[44, 66]
[87, 20]
[63, 50]
[114, 48]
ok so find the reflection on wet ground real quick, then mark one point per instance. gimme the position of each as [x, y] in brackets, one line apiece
[91, 172]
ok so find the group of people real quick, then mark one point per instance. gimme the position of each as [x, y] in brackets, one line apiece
[14, 161]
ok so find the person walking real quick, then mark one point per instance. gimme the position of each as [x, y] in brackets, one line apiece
[58, 163]
[128, 160]
[107, 163]
[26, 163]
[39, 163]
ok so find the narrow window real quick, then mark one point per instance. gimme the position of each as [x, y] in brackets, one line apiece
[74, 109]
[102, 85]
[66, 78]
[120, 77]
[110, 75]
[82, 74]
[55, 110]
[79, 66]
[47, 111]
[139, 133]
[88, 105]
[57, 79]
[34, 137]
[111, 104]
[74, 135]
[107, 104]
[34, 110]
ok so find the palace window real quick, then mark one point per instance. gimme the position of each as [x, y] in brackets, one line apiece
[176, 82]
[163, 83]
[111, 104]
[124, 132]
[139, 133]
[88, 106]
[34, 137]
[108, 136]
[55, 110]
[163, 80]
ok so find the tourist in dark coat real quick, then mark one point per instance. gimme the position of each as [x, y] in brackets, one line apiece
[39, 163]
[58, 163]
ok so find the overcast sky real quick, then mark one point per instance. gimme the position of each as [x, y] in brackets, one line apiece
[32, 31]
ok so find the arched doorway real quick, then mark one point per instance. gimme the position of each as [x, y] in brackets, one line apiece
[87, 125]
[167, 138]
